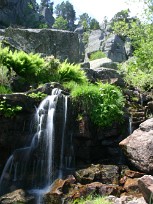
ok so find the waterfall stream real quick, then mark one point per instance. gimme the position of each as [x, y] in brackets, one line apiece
[32, 167]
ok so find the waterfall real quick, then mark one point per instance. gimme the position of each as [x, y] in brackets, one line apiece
[32, 167]
[63, 139]
[130, 125]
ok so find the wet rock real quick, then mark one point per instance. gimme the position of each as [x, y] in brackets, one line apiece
[133, 174]
[145, 184]
[107, 174]
[97, 188]
[19, 99]
[138, 147]
[59, 188]
[18, 196]
[150, 105]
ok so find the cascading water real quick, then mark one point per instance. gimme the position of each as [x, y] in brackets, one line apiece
[63, 139]
[33, 167]
[130, 125]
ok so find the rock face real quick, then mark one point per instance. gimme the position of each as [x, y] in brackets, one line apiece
[94, 41]
[138, 147]
[19, 12]
[48, 15]
[16, 132]
[62, 44]
[112, 45]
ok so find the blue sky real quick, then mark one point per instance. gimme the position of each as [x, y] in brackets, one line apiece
[100, 8]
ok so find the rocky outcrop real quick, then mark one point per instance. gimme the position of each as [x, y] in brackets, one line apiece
[94, 42]
[115, 48]
[19, 12]
[106, 174]
[18, 196]
[138, 147]
[48, 16]
[145, 184]
[62, 44]
[105, 70]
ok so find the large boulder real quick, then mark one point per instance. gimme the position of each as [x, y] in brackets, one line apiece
[105, 70]
[62, 44]
[145, 184]
[18, 196]
[114, 47]
[106, 174]
[138, 147]
[94, 42]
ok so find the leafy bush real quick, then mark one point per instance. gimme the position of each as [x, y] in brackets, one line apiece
[103, 102]
[97, 55]
[8, 110]
[28, 66]
[37, 96]
[31, 66]
[135, 76]
[70, 72]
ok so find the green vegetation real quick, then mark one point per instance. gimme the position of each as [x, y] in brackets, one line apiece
[138, 71]
[60, 23]
[5, 90]
[97, 55]
[102, 102]
[91, 199]
[8, 110]
[88, 23]
[67, 12]
[70, 72]
[37, 96]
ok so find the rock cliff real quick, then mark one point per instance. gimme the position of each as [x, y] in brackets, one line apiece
[62, 44]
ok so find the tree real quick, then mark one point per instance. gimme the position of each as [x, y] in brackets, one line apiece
[60, 23]
[88, 22]
[94, 24]
[139, 70]
[85, 20]
[66, 10]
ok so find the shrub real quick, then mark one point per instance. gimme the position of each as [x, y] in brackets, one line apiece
[31, 66]
[135, 76]
[103, 102]
[97, 55]
[37, 96]
[28, 66]
[70, 72]
[8, 110]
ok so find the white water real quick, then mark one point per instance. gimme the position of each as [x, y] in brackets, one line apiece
[63, 138]
[130, 125]
[42, 167]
